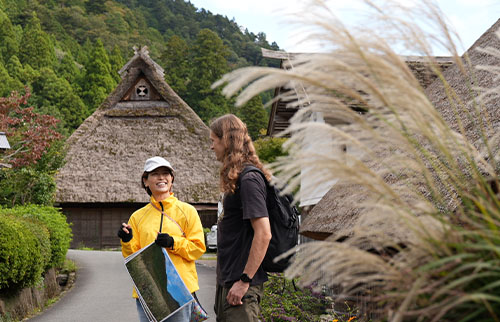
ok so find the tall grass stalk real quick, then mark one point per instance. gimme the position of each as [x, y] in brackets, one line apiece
[428, 194]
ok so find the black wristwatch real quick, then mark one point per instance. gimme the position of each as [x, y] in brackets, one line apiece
[245, 278]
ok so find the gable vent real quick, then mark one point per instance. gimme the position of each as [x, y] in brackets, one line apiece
[142, 91]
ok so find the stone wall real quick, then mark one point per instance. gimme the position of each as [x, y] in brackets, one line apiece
[25, 302]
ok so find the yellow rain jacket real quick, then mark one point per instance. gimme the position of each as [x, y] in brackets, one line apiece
[145, 224]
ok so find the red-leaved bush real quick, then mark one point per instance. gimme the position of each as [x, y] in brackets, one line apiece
[29, 133]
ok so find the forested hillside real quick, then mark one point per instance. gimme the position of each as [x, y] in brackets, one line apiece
[67, 53]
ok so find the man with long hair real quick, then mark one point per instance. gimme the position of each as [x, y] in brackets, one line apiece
[243, 232]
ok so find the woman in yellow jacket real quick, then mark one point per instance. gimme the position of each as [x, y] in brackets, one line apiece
[182, 233]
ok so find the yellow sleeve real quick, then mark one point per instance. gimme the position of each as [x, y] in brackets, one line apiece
[192, 246]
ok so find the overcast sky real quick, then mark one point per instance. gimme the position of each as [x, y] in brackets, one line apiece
[471, 18]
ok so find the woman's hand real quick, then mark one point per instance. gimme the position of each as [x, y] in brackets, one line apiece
[165, 240]
[125, 233]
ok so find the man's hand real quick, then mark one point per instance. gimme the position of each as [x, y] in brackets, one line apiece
[236, 293]
[165, 240]
[125, 233]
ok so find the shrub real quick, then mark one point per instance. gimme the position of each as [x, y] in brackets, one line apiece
[55, 221]
[269, 148]
[26, 185]
[40, 231]
[283, 301]
[21, 262]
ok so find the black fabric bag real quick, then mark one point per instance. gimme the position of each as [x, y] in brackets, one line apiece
[284, 220]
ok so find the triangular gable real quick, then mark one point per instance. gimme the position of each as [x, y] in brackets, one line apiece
[141, 90]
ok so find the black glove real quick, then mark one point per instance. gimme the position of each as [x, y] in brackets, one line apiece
[165, 240]
[123, 235]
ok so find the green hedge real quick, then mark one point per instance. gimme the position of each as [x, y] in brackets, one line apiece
[32, 240]
[21, 262]
[55, 221]
[40, 231]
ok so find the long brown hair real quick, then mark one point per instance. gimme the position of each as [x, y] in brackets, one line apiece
[238, 150]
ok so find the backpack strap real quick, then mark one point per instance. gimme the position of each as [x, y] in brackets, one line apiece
[252, 168]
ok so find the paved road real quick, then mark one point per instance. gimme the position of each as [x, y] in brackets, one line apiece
[103, 291]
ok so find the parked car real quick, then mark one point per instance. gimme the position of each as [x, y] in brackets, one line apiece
[212, 238]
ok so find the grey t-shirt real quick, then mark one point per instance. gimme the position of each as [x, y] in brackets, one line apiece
[235, 232]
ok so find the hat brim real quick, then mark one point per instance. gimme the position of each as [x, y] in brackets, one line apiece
[154, 167]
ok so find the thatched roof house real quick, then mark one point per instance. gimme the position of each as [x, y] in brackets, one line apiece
[99, 186]
[339, 210]
[279, 118]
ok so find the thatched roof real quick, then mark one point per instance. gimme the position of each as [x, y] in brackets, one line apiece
[141, 118]
[334, 212]
[481, 78]
[281, 112]
[340, 210]
[348, 205]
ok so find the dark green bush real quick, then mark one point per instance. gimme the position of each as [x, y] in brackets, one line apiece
[21, 262]
[55, 221]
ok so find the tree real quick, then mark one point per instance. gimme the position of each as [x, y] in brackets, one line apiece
[95, 6]
[15, 68]
[98, 81]
[175, 61]
[55, 96]
[36, 48]
[8, 83]
[209, 60]
[116, 60]
[211, 106]
[8, 41]
[208, 65]
[116, 22]
[254, 115]
[25, 75]
[67, 68]
[83, 55]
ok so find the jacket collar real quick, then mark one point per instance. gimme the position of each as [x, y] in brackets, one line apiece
[166, 202]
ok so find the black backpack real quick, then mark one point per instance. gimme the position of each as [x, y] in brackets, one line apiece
[284, 220]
